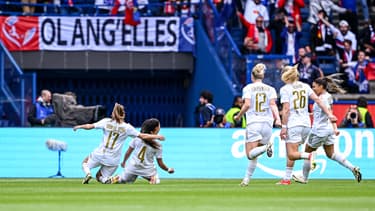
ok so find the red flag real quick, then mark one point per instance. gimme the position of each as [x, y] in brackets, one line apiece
[132, 16]
[115, 7]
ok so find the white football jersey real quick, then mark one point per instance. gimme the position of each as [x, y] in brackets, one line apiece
[322, 126]
[297, 95]
[260, 95]
[142, 160]
[114, 136]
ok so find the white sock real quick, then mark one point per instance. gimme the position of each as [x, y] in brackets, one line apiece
[85, 168]
[250, 168]
[257, 151]
[288, 173]
[341, 159]
[305, 155]
[306, 169]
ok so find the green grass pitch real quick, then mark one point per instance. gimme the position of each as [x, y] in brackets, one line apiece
[185, 194]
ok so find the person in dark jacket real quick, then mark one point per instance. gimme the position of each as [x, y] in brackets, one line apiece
[42, 112]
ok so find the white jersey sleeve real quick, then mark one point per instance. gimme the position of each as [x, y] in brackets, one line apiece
[101, 123]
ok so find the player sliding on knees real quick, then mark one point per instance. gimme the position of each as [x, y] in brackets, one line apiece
[142, 161]
[323, 131]
[261, 109]
[107, 156]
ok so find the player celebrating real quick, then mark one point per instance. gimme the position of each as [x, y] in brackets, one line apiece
[323, 131]
[142, 161]
[295, 121]
[261, 109]
[108, 154]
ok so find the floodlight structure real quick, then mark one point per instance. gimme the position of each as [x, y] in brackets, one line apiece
[58, 146]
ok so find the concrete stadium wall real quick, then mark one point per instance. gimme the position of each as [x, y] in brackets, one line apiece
[194, 153]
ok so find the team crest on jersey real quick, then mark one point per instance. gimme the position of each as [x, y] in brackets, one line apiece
[109, 126]
[121, 130]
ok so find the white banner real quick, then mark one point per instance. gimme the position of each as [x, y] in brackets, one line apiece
[153, 34]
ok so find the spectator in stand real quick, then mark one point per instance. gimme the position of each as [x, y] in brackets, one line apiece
[308, 72]
[69, 7]
[205, 110]
[254, 9]
[103, 7]
[344, 34]
[233, 111]
[347, 56]
[258, 38]
[366, 39]
[364, 113]
[42, 112]
[322, 40]
[316, 6]
[352, 118]
[360, 70]
[293, 8]
[299, 57]
[276, 26]
[341, 34]
[51, 7]
[313, 58]
[220, 120]
[290, 36]
[351, 15]
[301, 53]
[27, 7]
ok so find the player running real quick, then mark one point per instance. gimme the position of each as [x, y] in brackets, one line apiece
[261, 109]
[323, 131]
[108, 154]
[142, 160]
[294, 96]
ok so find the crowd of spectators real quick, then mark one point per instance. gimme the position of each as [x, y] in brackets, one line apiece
[96, 7]
[351, 43]
[270, 27]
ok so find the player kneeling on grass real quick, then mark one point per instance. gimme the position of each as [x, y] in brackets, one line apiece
[107, 156]
[142, 160]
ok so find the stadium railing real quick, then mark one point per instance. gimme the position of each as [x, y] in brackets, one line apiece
[273, 63]
[17, 91]
[226, 48]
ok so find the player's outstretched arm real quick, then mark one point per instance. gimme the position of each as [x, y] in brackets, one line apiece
[164, 167]
[126, 156]
[275, 112]
[85, 126]
[149, 137]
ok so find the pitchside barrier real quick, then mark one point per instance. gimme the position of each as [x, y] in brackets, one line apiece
[193, 152]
